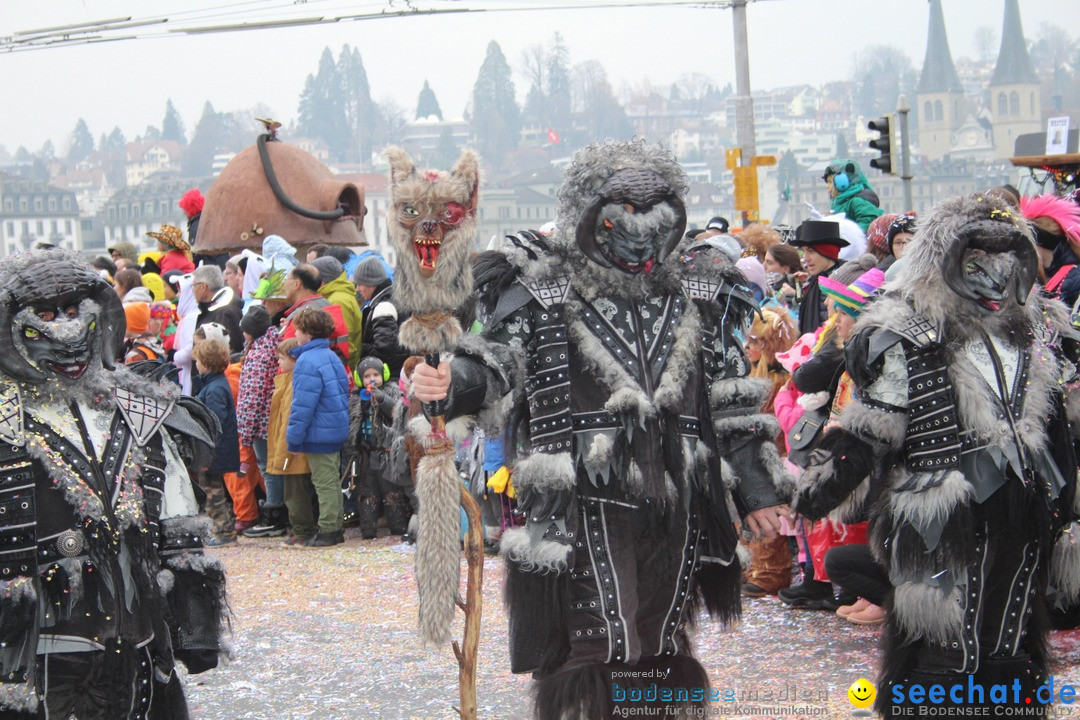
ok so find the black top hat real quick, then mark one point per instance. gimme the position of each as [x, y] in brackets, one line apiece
[819, 232]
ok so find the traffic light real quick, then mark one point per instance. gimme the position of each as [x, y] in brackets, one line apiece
[885, 143]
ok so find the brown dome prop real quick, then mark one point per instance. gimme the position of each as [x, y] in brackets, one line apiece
[241, 207]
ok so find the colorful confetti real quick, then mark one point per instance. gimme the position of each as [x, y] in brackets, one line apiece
[330, 634]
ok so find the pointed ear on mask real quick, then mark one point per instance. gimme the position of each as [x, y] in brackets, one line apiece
[401, 165]
[468, 169]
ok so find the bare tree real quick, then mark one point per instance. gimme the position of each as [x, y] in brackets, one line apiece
[986, 42]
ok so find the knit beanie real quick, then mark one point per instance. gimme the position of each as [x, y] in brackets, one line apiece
[370, 272]
[329, 268]
[256, 321]
[369, 363]
[138, 317]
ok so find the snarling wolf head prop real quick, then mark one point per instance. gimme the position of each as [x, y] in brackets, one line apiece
[58, 317]
[620, 214]
[971, 265]
[432, 226]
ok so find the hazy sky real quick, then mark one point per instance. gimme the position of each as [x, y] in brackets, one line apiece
[127, 83]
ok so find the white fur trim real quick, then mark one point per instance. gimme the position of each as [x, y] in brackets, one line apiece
[545, 472]
[923, 505]
[545, 556]
[924, 611]
[1065, 563]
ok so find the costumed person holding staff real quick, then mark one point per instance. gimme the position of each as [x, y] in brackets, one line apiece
[103, 584]
[964, 408]
[619, 353]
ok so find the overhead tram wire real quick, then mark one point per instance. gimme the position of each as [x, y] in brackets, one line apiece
[277, 16]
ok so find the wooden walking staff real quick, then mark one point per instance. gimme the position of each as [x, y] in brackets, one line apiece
[433, 228]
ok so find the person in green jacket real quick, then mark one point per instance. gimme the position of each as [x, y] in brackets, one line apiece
[338, 290]
[851, 193]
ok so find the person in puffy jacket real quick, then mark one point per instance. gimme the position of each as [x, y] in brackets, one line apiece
[851, 193]
[211, 358]
[319, 417]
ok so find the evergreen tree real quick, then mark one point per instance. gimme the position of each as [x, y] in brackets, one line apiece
[206, 142]
[151, 133]
[427, 105]
[558, 94]
[102, 140]
[47, 152]
[23, 155]
[172, 127]
[322, 107]
[116, 141]
[534, 68]
[82, 143]
[496, 117]
[360, 114]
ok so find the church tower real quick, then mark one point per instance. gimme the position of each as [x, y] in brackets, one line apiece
[939, 95]
[1015, 104]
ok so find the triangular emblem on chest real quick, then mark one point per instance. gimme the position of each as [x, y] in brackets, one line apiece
[143, 415]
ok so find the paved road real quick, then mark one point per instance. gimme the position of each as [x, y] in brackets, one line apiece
[330, 635]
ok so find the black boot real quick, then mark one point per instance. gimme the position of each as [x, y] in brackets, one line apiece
[368, 510]
[396, 507]
[810, 594]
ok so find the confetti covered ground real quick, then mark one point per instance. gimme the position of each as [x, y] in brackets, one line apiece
[330, 635]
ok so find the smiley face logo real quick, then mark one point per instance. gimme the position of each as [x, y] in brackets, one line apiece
[862, 693]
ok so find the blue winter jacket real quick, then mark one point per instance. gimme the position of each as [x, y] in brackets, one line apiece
[319, 417]
[217, 395]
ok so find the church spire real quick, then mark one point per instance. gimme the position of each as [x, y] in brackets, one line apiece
[1013, 64]
[938, 71]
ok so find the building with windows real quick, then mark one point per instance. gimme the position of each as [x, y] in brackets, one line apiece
[135, 210]
[144, 158]
[32, 212]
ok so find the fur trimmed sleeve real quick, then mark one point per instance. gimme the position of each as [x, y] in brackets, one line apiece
[488, 374]
[745, 435]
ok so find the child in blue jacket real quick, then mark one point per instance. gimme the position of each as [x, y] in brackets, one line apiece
[211, 358]
[319, 417]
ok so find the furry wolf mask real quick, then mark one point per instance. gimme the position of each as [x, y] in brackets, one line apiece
[432, 227]
[971, 265]
[620, 216]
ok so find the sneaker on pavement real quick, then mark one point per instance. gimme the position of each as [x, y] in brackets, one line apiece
[242, 525]
[810, 595]
[265, 530]
[295, 542]
[220, 540]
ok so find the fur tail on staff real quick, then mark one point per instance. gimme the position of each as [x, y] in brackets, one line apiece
[438, 552]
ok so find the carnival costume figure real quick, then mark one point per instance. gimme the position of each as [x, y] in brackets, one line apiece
[963, 423]
[103, 584]
[617, 352]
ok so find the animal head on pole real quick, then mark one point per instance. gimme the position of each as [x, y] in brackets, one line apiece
[433, 229]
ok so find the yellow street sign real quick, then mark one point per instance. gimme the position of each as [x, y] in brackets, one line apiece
[760, 160]
[731, 158]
